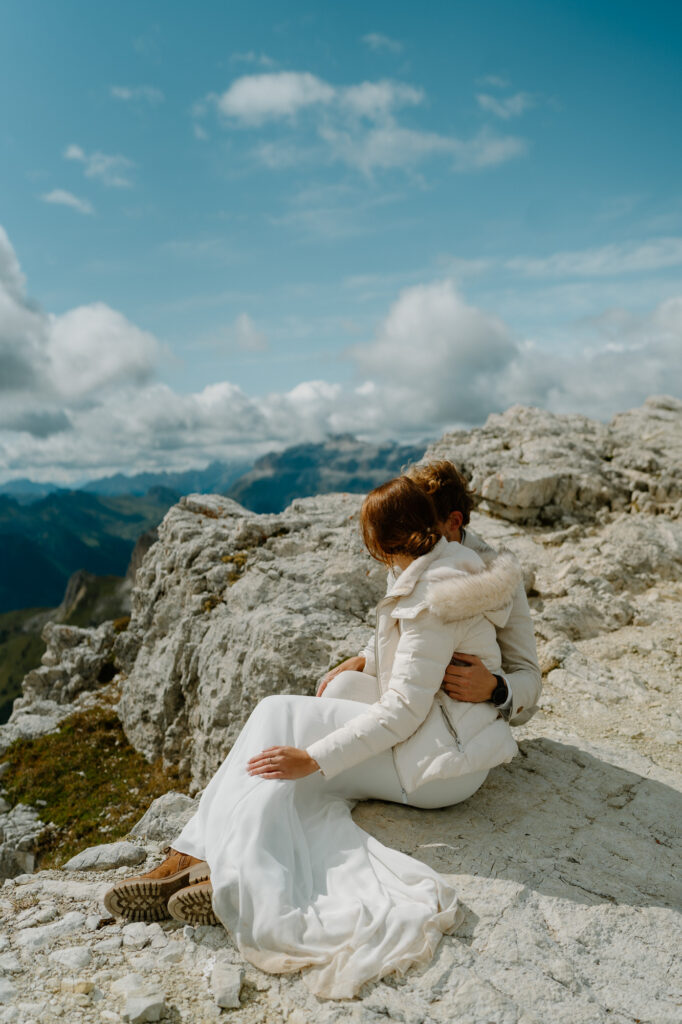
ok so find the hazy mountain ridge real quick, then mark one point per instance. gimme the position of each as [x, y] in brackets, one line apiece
[340, 464]
[214, 478]
[43, 543]
[47, 538]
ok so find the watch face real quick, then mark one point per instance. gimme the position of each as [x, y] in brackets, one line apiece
[499, 693]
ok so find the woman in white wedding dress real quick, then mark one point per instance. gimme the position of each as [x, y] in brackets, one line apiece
[295, 881]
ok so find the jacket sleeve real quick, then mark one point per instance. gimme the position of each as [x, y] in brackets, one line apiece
[424, 649]
[520, 660]
[368, 654]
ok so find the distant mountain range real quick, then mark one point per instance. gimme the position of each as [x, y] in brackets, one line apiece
[43, 543]
[214, 479]
[342, 463]
[45, 537]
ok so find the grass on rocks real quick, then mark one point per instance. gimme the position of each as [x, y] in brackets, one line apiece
[87, 781]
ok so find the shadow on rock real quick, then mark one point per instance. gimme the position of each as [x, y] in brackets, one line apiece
[556, 820]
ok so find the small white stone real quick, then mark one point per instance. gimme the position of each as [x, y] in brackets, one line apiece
[36, 938]
[106, 856]
[109, 945]
[23, 879]
[91, 922]
[144, 1006]
[188, 932]
[226, 983]
[73, 957]
[4, 942]
[173, 953]
[10, 964]
[40, 914]
[127, 984]
[137, 934]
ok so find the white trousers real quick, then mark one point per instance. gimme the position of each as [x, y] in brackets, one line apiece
[296, 882]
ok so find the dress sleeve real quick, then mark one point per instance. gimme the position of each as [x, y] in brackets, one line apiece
[424, 650]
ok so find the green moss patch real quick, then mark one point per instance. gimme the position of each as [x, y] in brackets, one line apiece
[87, 781]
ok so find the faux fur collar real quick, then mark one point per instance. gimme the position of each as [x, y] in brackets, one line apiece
[454, 583]
[460, 595]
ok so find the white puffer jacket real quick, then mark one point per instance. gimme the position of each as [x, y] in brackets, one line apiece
[444, 601]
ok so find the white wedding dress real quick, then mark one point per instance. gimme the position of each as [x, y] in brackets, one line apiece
[295, 881]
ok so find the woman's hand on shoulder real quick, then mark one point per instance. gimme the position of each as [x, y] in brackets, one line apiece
[355, 664]
[282, 763]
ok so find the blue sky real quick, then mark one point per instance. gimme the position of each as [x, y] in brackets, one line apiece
[226, 227]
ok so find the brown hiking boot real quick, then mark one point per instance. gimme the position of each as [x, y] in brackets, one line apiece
[145, 897]
[193, 904]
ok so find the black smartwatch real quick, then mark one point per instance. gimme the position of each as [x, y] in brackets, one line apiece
[500, 693]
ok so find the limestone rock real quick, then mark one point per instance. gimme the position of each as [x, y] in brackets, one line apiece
[529, 465]
[165, 817]
[226, 983]
[229, 606]
[7, 991]
[106, 856]
[38, 937]
[144, 1006]
[73, 661]
[20, 829]
[73, 957]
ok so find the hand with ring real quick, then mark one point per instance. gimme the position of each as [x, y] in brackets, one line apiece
[282, 763]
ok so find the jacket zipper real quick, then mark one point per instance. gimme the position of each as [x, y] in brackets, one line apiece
[451, 728]
[376, 662]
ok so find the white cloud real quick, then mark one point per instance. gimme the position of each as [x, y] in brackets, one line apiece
[334, 211]
[72, 358]
[377, 42]
[392, 146]
[354, 124]
[242, 335]
[611, 260]
[254, 99]
[493, 82]
[377, 99]
[108, 168]
[148, 93]
[63, 198]
[507, 106]
[93, 348]
[251, 57]
[437, 357]
[79, 395]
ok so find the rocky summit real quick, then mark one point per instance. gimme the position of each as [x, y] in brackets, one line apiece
[565, 860]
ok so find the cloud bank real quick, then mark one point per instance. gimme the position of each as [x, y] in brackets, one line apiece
[356, 125]
[80, 395]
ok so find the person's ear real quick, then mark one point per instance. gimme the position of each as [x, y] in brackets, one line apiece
[455, 520]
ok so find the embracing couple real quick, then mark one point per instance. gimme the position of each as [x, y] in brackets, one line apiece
[419, 717]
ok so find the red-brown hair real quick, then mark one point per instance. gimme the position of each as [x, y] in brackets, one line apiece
[398, 518]
[446, 486]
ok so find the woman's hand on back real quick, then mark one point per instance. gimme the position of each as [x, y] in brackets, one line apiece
[282, 763]
[355, 664]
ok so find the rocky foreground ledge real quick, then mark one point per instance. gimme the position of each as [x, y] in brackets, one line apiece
[564, 860]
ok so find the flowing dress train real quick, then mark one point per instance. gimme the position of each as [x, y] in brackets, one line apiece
[295, 881]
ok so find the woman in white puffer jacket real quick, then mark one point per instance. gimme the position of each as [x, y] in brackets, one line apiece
[292, 877]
